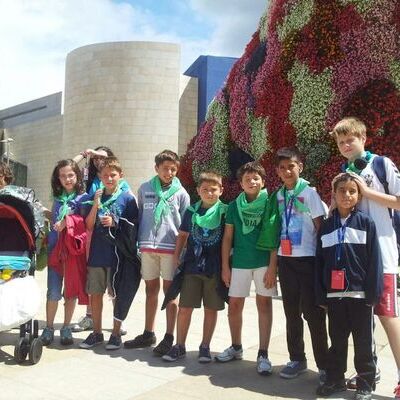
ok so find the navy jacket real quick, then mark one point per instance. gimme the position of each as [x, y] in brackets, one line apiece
[360, 258]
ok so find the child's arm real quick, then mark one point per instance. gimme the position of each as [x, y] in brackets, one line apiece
[270, 274]
[91, 218]
[180, 244]
[226, 252]
[317, 223]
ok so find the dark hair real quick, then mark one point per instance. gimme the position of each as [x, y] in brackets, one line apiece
[92, 168]
[252, 166]
[344, 177]
[6, 172]
[288, 153]
[112, 163]
[166, 155]
[56, 186]
[211, 177]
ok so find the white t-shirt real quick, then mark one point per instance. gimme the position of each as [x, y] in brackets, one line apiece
[302, 233]
[380, 214]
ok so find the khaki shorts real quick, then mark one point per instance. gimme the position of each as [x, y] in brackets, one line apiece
[155, 265]
[197, 287]
[98, 280]
[241, 282]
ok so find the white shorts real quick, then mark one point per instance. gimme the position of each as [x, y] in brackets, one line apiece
[155, 265]
[241, 282]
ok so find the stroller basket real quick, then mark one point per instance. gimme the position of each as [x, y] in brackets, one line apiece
[15, 263]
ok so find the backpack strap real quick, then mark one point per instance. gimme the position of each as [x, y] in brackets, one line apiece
[378, 165]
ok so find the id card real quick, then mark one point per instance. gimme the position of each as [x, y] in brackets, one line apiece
[337, 279]
[286, 247]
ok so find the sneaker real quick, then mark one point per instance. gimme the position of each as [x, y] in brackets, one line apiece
[321, 376]
[175, 353]
[204, 355]
[66, 338]
[362, 395]
[114, 343]
[140, 341]
[293, 369]
[229, 354]
[164, 346]
[84, 324]
[352, 382]
[47, 336]
[92, 340]
[329, 388]
[397, 392]
[264, 366]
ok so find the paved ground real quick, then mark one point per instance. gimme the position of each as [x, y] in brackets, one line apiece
[72, 373]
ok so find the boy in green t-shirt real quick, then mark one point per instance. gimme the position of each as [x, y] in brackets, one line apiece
[242, 229]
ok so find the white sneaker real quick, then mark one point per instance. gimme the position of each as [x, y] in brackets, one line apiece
[264, 366]
[229, 354]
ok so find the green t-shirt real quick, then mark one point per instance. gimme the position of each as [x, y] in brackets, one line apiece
[245, 254]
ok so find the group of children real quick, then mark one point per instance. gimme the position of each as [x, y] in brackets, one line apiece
[343, 264]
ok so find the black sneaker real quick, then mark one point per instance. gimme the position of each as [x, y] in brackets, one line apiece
[92, 340]
[329, 388]
[362, 395]
[140, 341]
[164, 346]
[204, 355]
[175, 353]
[352, 382]
[114, 343]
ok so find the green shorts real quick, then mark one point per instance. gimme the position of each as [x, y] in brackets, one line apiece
[197, 287]
[98, 280]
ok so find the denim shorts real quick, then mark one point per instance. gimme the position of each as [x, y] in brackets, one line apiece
[54, 285]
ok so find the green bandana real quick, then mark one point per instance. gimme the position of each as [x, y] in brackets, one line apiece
[212, 218]
[64, 199]
[162, 208]
[105, 207]
[251, 213]
[350, 167]
[300, 186]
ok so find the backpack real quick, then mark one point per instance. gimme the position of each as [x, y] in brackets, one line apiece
[378, 165]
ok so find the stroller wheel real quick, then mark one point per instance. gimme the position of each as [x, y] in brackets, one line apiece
[21, 350]
[35, 351]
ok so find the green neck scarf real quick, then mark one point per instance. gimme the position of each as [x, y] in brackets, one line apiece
[106, 205]
[251, 213]
[350, 167]
[64, 199]
[212, 218]
[301, 184]
[162, 208]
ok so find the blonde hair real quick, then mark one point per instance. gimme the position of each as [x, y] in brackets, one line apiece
[349, 126]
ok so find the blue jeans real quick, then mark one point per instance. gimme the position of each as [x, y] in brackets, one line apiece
[54, 285]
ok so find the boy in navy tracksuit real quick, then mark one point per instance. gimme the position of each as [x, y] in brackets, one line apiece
[349, 276]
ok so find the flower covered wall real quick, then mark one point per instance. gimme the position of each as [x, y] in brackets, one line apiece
[310, 63]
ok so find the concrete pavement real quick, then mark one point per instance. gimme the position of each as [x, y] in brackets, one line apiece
[70, 373]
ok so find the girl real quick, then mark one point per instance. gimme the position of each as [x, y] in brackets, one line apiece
[67, 187]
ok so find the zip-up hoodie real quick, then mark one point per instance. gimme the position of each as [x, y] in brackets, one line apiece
[360, 259]
[162, 238]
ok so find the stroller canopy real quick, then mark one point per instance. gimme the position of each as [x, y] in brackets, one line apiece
[17, 225]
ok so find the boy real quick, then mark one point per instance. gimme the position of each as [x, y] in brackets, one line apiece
[6, 175]
[301, 211]
[350, 135]
[349, 276]
[242, 228]
[162, 203]
[202, 229]
[110, 205]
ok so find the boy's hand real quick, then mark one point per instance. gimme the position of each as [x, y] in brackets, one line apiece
[59, 226]
[107, 221]
[226, 276]
[97, 197]
[361, 184]
[270, 278]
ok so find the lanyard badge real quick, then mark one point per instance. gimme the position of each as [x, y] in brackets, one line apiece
[286, 244]
[338, 275]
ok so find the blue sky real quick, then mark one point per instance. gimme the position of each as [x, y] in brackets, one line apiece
[37, 35]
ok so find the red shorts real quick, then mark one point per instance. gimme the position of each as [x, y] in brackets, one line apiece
[387, 305]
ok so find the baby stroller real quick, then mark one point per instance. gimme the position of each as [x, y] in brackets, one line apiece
[19, 293]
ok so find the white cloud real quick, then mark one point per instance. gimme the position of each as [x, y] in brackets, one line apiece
[36, 35]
